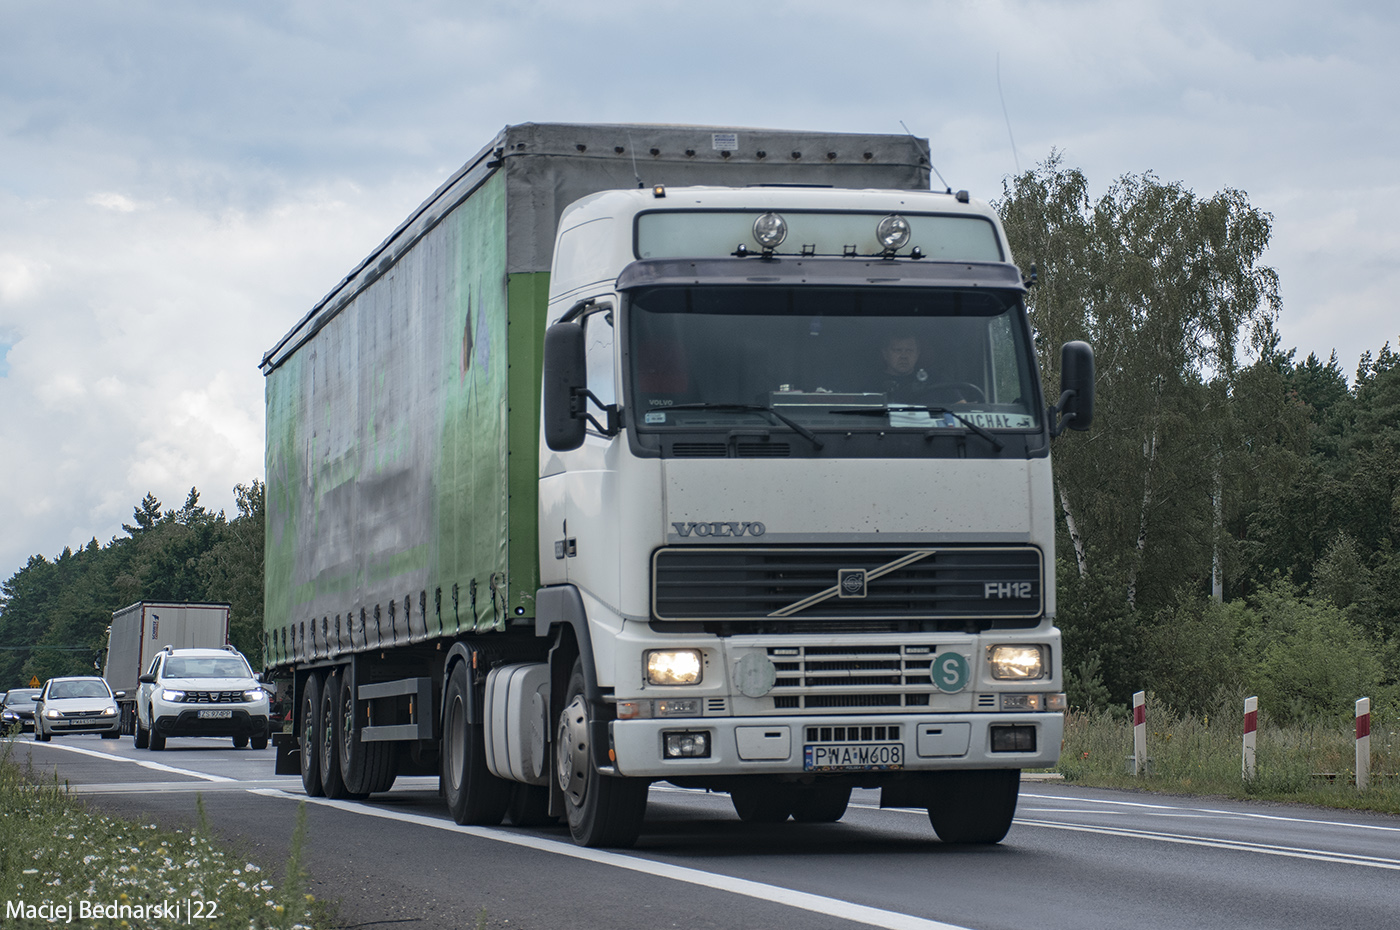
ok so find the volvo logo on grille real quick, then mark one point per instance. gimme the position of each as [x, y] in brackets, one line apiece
[720, 529]
[850, 582]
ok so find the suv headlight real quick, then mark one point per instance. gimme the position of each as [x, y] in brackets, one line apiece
[1017, 663]
[254, 694]
[674, 666]
[173, 696]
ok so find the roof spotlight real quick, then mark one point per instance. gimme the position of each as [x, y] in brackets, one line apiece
[893, 233]
[769, 230]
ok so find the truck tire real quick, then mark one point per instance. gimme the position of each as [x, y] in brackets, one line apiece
[328, 743]
[366, 768]
[820, 803]
[602, 810]
[309, 708]
[474, 795]
[761, 802]
[141, 738]
[975, 806]
[529, 806]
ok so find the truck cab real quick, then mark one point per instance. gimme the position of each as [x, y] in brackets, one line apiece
[795, 499]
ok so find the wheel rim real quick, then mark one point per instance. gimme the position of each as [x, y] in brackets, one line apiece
[456, 742]
[572, 759]
[347, 730]
[328, 738]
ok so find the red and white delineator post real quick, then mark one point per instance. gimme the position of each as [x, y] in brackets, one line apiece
[1251, 724]
[1363, 743]
[1140, 733]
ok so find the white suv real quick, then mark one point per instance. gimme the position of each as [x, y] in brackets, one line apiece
[201, 692]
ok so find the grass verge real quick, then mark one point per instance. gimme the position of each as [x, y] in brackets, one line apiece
[62, 863]
[1201, 754]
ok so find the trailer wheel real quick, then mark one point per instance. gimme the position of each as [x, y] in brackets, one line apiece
[602, 810]
[761, 802]
[141, 738]
[973, 806]
[820, 803]
[310, 712]
[474, 795]
[332, 781]
[365, 767]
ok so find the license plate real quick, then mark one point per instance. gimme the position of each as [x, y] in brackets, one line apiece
[215, 714]
[852, 757]
[83, 721]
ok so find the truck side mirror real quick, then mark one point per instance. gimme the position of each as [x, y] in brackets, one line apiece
[1076, 407]
[564, 375]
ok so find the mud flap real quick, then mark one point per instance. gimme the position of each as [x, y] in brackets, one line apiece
[288, 754]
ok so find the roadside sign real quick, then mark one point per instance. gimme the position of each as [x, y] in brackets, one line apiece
[33, 681]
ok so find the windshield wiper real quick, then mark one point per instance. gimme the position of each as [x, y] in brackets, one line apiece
[916, 408]
[796, 427]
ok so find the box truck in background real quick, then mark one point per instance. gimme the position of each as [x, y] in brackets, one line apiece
[664, 453]
[140, 631]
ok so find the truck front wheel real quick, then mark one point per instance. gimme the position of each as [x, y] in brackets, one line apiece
[603, 810]
[474, 795]
[973, 806]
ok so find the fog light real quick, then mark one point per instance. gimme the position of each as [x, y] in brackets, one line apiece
[686, 745]
[1016, 663]
[1013, 739]
[893, 233]
[1020, 702]
[769, 230]
[673, 667]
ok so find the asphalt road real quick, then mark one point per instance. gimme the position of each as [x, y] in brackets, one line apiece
[1075, 858]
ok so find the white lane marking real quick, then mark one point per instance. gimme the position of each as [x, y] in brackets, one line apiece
[1206, 810]
[1291, 852]
[154, 766]
[827, 907]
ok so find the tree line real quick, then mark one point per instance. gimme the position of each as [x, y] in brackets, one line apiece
[54, 613]
[1229, 525]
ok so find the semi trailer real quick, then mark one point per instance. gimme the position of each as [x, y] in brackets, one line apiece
[660, 453]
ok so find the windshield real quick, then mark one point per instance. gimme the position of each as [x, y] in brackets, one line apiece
[833, 359]
[212, 667]
[87, 688]
[25, 696]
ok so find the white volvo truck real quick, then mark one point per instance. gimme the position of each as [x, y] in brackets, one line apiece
[676, 454]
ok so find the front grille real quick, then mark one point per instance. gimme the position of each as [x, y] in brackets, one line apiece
[836, 677]
[214, 697]
[758, 583]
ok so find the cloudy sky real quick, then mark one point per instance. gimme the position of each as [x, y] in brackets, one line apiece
[181, 181]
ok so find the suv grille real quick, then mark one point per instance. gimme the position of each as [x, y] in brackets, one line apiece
[214, 697]
[753, 583]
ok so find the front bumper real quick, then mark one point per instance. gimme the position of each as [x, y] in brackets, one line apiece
[776, 745]
[188, 723]
[60, 726]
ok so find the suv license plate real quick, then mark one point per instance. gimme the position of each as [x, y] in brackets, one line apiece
[852, 757]
[215, 714]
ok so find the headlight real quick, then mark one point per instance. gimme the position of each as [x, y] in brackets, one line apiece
[52, 714]
[172, 695]
[109, 711]
[673, 666]
[254, 694]
[1016, 663]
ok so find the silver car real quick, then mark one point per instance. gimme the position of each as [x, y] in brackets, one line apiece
[76, 705]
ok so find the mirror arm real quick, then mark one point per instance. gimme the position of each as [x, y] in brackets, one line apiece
[578, 408]
[1057, 423]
